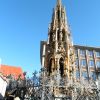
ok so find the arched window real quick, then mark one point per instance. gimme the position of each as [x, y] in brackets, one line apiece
[63, 33]
[61, 63]
[58, 36]
[51, 37]
[58, 15]
[50, 66]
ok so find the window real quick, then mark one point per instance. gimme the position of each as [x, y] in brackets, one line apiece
[99, 76]
[76, 53]
[61, 63]
[84, 74]
[97, 54]
[83, 62]
[82, 52]
[76, 62]
[77, 74]
[91, 63]
[98, 64]
[93, 75]
[90, 53]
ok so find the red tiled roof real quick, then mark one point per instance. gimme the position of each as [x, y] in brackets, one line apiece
[11, 70]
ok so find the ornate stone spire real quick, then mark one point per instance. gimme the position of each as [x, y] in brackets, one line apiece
[58, 2]
[58, 49]
[59, 18]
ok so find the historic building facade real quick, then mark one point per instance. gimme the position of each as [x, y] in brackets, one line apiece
[67, 66]
[87, 62]
[59, 55]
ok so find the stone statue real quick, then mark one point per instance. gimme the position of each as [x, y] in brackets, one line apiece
[53, 36]
[61, 36]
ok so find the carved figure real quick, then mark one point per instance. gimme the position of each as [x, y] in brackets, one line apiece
[61, 36]
[53, 36]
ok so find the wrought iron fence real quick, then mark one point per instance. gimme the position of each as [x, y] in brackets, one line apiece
[42, 87]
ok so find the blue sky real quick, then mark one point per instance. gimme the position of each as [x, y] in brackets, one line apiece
[24, 23]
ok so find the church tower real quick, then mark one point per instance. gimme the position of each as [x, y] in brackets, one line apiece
[57, 54]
